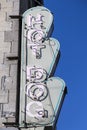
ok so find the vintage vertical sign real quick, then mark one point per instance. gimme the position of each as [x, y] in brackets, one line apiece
[40, 94]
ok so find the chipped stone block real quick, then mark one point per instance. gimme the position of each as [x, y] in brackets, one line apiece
[4, 70]
[10, 36]
[4, 96]
[5, 26]
[2, 16]
[13, 71]
[14, 48]
[8, 83]
[10, 106]
[15, 37]
[13, 74]
[15, 25]
[5, 47]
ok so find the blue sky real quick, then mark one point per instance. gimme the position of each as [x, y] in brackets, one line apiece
[70, 28]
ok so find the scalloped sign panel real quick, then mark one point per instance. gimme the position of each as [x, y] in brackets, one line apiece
[40, 94]
[39, 18]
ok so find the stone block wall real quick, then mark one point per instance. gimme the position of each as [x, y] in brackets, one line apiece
[9, 29]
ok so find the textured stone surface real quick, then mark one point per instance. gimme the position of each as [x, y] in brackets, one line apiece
[8, 35]
[1, 36]
[4, 70]
[8, 68]
[14, 47]
[5, 26]
[4, 97]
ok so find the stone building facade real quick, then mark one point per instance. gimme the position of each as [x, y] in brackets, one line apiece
[8, 59]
